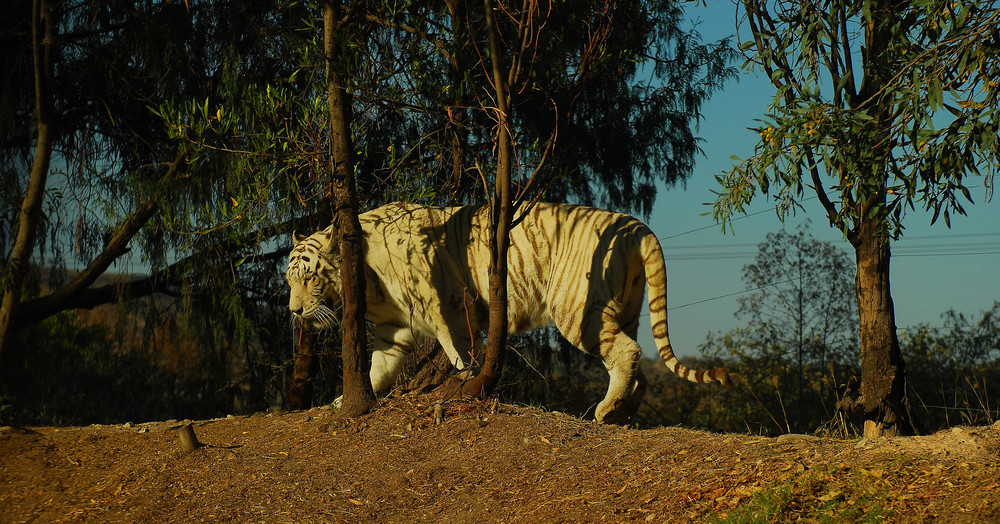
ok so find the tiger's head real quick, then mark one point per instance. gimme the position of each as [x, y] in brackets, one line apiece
[313, 276]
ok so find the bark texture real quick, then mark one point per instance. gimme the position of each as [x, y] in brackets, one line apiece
[883, 375]
[358, 395]
[500, 220]
[300, 389]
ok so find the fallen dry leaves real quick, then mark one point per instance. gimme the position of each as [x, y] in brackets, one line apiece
[484, 462]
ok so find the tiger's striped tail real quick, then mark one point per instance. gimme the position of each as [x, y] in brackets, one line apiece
[656, 279]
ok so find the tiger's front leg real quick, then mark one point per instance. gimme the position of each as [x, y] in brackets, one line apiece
[390, 349]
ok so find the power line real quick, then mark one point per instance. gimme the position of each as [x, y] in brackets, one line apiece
[983, 249]
[948, 254]
[809, 276]
[741, 217]
[957, 235]
[713, 225]
[694, 257]
[898, 245]
[758, 288]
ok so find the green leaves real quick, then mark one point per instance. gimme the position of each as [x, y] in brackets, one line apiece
[854, 146]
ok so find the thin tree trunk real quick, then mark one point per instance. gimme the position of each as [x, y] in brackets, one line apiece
[115, 248]
[43, 34]
[35, 310]
[883, 375]
[358, 395]
[300, 390]
[500, 219]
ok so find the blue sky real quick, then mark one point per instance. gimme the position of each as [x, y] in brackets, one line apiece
[932, 270]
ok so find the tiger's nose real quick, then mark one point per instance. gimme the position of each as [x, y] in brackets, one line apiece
[295, 311]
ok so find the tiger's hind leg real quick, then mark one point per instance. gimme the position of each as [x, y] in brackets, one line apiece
[627, 385]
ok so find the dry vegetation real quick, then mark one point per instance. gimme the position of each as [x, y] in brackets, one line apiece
[485, 462]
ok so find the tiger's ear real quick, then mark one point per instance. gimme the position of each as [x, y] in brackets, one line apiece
[297, 238]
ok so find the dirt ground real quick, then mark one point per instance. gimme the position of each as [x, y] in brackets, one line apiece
[481, 461]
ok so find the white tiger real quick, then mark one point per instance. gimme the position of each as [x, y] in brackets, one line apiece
[582, 269]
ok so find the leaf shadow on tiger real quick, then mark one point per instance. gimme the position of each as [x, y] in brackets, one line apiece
[582, 269]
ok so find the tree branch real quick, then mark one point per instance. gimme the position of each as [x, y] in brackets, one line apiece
[413, 31]
[37, 310]
[44, 27]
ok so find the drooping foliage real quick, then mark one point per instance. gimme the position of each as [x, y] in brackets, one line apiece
[185, 156]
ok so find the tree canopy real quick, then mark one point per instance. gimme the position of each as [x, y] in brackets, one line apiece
[896, 100]
[187, 155]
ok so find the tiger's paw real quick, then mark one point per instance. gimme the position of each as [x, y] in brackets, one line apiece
[617, 413]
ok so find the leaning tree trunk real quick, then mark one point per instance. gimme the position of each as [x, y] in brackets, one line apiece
[883, 375]
[358, 394]
[43, 34]
[432, 367]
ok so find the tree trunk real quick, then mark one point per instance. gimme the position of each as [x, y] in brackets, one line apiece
[358, 395]
[500, 219]
[38, 309]
[883, 376]
[43, 35]
[300, 390]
